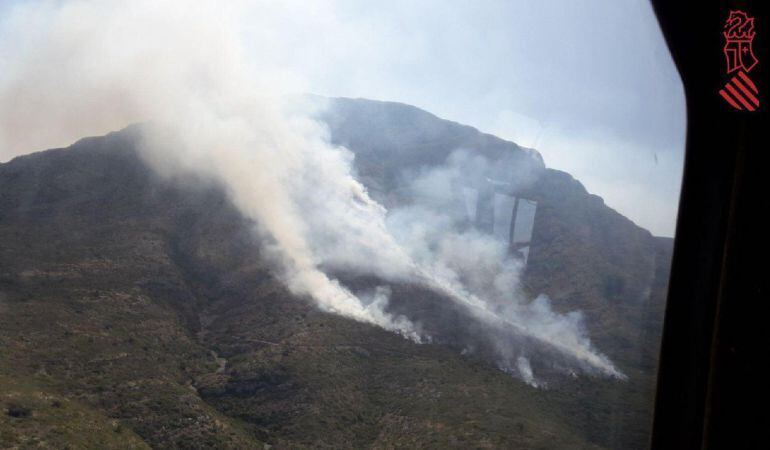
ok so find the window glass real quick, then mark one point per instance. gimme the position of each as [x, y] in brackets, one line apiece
[343, 224]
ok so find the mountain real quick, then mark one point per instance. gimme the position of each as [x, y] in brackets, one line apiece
[138, 311]
[584, 254]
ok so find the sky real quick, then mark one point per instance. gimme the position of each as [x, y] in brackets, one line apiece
[589, 84]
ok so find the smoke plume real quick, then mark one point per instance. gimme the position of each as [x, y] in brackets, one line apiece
[219, 110]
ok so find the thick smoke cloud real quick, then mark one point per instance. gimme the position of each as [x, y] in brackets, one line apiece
[477, 270]
[83, 67]
[87, 67]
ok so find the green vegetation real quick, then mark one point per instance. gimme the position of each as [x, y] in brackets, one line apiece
[35, 417]
[136, 312]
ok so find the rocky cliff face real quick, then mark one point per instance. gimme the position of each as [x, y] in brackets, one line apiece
[141, 307]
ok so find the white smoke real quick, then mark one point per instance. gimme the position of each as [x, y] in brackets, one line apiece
[476, 269]
[89, 67]
[85, 67]
[525, 369]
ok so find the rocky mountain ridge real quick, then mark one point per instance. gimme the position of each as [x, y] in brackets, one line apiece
[140, 307]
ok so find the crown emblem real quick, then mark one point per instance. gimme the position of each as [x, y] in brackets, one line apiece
[739, 27]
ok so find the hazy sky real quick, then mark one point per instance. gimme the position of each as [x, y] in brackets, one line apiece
[588, 83]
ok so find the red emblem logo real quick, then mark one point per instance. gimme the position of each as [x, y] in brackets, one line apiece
[739, 34]
[740, 92]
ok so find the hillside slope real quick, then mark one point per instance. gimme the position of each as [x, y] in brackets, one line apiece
[584, 254]
[141, 307]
